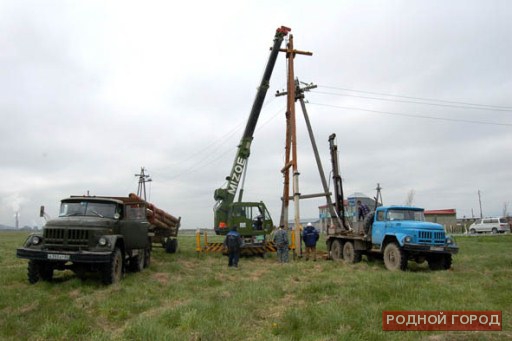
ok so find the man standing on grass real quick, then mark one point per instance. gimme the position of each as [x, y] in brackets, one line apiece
[281, 241]
[233, 243]
[310, 237]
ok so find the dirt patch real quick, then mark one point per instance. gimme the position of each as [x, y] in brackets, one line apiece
[257, 274]
[161, 277]
[74, 293]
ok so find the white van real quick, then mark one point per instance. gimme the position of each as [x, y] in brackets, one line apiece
[493, 225]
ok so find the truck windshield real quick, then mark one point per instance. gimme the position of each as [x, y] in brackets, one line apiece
[398, 214]
[86, 208]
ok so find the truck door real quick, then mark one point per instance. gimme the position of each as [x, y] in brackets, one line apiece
[134, 226]
[379, 227]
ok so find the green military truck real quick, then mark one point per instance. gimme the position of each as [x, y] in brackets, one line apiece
[108, 235]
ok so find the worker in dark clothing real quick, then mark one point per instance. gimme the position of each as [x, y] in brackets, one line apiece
[310, 237]
[233, 242]
[362, 210]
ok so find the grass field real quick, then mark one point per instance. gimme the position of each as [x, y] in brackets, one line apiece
[185, 296]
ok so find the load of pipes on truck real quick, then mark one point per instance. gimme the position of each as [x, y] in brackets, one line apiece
[164, 226]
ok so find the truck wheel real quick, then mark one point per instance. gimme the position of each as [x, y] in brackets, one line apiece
[494, 230]
[350, 255]
[171, 245]
[472, 231]
[33, 271]
[113, 270]
[137, 262]
[440, 262]
[46, 271]
[39, 270]
[147, 257]
[336, 250]
[394, 257]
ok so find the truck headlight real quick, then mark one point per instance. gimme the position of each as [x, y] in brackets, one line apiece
[36, 240]
[102, 241]
[408, 239]
[449, 240]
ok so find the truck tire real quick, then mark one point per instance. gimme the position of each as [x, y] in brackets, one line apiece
[33, 272]
[147, 257]
[350, 255]
[46, 271]
[171, 245]
[39, 270]
[137, 262]
[394, 257]
[336, 250]
[113, 271]
[439, 262]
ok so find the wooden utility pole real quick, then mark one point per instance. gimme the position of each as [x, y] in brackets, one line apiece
[291, 147]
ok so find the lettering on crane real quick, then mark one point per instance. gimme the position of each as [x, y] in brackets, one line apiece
[236, 175]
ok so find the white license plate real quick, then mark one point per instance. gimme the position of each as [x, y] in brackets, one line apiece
[58, 257]
[436, 248]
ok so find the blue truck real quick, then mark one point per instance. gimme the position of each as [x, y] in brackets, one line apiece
[397, 234]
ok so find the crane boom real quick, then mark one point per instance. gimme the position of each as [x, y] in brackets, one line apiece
[225, 196]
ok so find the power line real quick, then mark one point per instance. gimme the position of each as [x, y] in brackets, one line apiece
[415, 102]
[414, 116]
[203, 162]
[419, 98]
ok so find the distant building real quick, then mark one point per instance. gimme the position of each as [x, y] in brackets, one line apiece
[350, 209]
[445, 217]
[304, 222]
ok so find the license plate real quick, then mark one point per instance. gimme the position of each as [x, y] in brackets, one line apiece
[58, 257]
[436, 248]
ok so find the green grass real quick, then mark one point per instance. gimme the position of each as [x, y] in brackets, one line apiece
[186, 296]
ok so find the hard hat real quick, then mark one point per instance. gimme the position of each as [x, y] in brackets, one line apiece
[309, 224]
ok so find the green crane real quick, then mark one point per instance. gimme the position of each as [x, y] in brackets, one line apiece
[252, 219]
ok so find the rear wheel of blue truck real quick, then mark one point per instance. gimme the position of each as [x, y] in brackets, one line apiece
[350, 254]
[336, 250]
[394, 257]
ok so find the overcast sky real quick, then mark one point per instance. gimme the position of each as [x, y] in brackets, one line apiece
[418, 93]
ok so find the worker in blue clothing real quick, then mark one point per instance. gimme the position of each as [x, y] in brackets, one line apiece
[362, 210]
[233, 242]
[310, 236]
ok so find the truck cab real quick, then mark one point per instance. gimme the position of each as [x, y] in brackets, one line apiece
[252, 220]
[407, 226]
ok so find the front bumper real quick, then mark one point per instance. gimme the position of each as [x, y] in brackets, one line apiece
[64, 256]
[431, 248]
